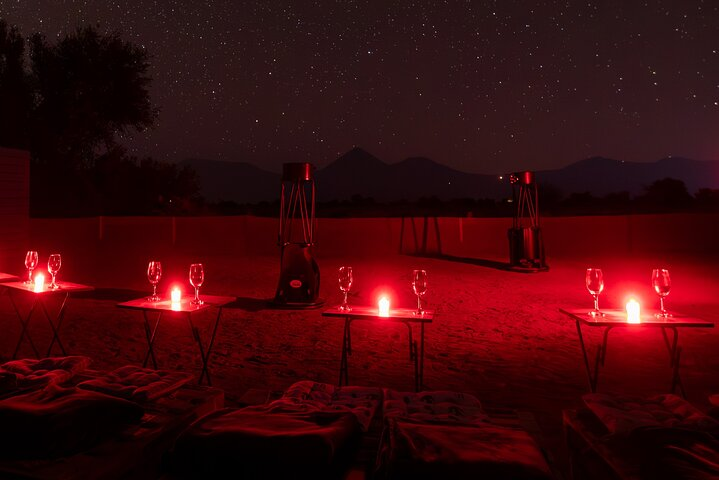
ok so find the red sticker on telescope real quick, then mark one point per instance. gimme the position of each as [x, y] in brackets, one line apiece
[296, 283]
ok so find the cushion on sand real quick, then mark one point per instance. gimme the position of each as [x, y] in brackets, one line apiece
[459, 451]
[57, 370]
[622, 415]
[362, 402]
[56, 421]
[137, 384]
[265, 442]
[437, 406]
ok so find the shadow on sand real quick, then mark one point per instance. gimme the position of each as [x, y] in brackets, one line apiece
[481, 262]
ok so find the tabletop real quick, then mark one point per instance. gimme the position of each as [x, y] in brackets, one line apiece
[618, 318]
[395, 314]
[7, 277]
[184, 305]
[65, 287]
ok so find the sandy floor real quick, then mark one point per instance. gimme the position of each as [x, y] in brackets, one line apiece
[497, 334]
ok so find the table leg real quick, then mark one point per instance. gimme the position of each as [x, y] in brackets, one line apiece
[204, 355]
[674, 357]
[344, 369]
[593, 377]
[586, 357]
[56, 326]
[412, 345]
[413, 357]
[209, 347]
[421, 357]
[150, 336]
[24, 332]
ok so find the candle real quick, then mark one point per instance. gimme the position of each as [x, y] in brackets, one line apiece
[384, 307]
[633, 311]
[39, 282]
[175, 295]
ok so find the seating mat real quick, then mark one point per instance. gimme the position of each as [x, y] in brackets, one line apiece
[622, 415]
[447, 435]
[38, 373]
[456, 451]
[136, 452]
[56, 421]
[136, 383]
[313, 427]
[433, 407]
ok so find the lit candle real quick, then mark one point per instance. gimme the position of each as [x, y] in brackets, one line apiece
[175, 295]
[633, 311]
[384, 307]
[39, 282]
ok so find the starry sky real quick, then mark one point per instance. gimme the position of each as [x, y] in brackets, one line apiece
[481, 86]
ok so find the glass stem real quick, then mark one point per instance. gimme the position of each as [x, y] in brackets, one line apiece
[419, 303]
[29, 275]
[596, 303]
[345, 304]
[197, 294]
[661, 305]
[154, 290]
[53, 279]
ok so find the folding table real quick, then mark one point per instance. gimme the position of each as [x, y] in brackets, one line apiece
[613, 318]
[39, 297]
[186, 308]
[396, 315]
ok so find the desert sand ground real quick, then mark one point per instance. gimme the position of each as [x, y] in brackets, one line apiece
[497, 334]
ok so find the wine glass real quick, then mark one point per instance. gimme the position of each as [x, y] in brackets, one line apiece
[154, 273]
[197, 276]
[54, 262]
[30, 264]
[662, 283]
[419, 285]
[345, 281]
[595, 285]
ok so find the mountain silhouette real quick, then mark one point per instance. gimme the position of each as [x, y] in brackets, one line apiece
[601, 176]
[358, 172]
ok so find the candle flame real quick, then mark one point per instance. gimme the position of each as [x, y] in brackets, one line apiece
[633, 311]
[384, 307]
[39, 282]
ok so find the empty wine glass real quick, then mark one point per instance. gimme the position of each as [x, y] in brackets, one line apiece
[595, 285]
[345, 281]
[30, 264]
[54, 262]
[419, 285]
[197, 276]
[662, 283]
[154, 274]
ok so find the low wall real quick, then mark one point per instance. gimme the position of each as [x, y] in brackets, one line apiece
[118, 244]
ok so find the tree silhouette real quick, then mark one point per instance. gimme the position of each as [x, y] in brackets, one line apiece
[90, 89]
[15, 92]
[668, 194]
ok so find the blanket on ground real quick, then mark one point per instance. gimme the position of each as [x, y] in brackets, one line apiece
[447, 435]
[57, 421]
[136, 383]
[38, 373]
[362, 402]
[457, 451]
[265, 442]
[622, 415]
[436, 406]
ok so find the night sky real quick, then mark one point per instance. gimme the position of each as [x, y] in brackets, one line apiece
[480, 86]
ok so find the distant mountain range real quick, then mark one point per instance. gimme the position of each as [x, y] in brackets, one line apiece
[357, 172]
